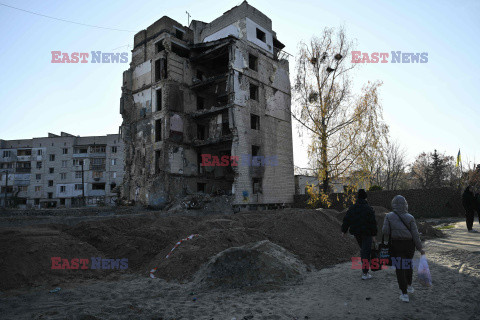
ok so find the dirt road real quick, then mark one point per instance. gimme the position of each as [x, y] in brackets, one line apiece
[332, 293]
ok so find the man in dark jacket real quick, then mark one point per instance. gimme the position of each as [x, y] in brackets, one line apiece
[469, 204]
[360, 219]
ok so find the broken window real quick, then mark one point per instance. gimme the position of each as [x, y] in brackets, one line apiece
[201, 187]
[159, 99]
[254, 122]
[62, 200]
[225, 126]
[179, 34]
[158, 157]
[98, 186]
[50, 183]
[255, 151]
[200, 103]
[159, 46]
[50, 195]
[112, 186]
[252, 61]
[200, 75]
[257, 185]
[51, 170]
[201, 132]
[261, 35]
[160, 69]
[180, 51]
[253, 92]
[158, 130]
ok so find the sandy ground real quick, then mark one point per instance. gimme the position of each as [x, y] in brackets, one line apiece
[332, 293]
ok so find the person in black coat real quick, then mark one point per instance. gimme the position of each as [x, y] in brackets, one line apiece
[360, 219]
[469, 204]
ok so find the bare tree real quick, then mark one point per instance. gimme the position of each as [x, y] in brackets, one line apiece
[395, 165]
[343, 126]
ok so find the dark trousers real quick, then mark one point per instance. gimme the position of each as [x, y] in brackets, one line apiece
[404, 249]
[470, 213]
[365, 243]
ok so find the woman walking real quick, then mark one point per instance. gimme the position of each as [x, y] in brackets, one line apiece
[404, 238]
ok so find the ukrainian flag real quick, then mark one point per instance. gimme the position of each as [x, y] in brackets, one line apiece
[459, 158]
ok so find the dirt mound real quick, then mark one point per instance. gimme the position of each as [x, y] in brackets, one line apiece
[25, 257]
[311, 235]
[258, 265]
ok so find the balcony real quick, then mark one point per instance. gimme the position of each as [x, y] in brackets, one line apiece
[80, 155]
[23, 170]
[210, 141]
[8, 159]
[211, 111]
[100, 167]
[24, 158]
[97, 155]
[198, 84]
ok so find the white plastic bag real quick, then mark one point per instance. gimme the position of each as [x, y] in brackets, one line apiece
[424, 276]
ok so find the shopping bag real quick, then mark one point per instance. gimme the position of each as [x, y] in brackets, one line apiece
[375, 259]
[424, 276]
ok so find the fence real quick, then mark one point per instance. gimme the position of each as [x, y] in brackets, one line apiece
[424, 203]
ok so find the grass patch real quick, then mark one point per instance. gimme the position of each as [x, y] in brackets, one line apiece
[448, 226]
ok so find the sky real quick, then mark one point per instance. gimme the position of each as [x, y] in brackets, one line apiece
[434, 105]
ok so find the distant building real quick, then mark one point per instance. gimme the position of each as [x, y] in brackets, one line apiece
[220, 88]
[48, 172]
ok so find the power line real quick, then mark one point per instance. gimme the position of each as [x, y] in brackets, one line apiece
[82, 24]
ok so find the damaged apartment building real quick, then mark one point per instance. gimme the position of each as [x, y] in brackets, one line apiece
[220, 88]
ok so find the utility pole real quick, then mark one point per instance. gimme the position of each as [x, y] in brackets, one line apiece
[83, 184]
[6, 187]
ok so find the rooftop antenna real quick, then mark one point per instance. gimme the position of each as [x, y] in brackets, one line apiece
[188, 14]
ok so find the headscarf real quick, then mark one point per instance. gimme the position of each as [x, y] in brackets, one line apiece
[399, 204]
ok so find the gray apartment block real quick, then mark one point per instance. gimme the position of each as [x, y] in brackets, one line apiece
[48, 172]
[219, 88]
